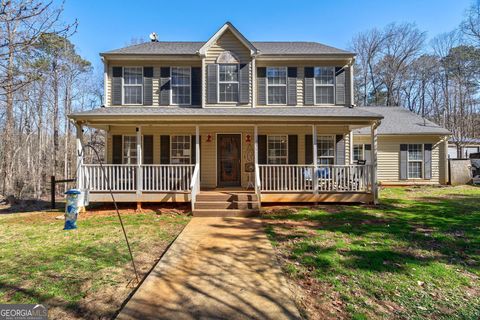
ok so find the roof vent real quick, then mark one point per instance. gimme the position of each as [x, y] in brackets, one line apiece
[153, 37]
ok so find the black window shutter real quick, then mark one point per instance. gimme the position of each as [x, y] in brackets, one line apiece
[261, 86]
[117, 74]
[339, 85]
[427, 155]
[403, 161]
[308, 149]
[292, 86]
[148, 149]
[262, 149]
[196, 86]
[368, 153]
[308, 90]
[165, 86]
[244, 79]
[117, 149]
[193, 156]
[147, 86]
[340, 149]
[165, 149]
[292, 149]
[212, 81]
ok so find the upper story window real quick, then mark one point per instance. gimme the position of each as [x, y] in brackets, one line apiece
[415, 161]
[326, 149]
[276, 85]
[129, 149]
[228, 83]
[180, 149]
[132, 85]
[324, 85]
[277, 149]
[181, 85]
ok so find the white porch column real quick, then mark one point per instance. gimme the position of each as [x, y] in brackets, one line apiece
[197, 146]
[139, 161]
[255, 156]
[351, 146]
[79, 150]
[373, 133]
[315, 161]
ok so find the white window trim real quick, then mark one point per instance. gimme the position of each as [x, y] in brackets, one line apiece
[131, 85]
[189, 86]
[323, 85]
[333, 136]
[422, 170]
[226, 82]
[277, 85]
[123, 146]
[171, 147]
[362, 153]
[268, 148]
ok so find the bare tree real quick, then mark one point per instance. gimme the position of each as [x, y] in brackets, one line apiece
[22, 22]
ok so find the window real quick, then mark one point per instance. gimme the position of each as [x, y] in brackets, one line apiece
[276, 85]
[180, 149]
[326, 149]
[277, 147]
[181, 85]
[132, 85]
[324, 85]
[358, 152]
[415, 161]
[129, 149]
[228, 83]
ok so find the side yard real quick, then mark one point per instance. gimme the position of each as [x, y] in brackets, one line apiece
[416, 256]
[84, 273]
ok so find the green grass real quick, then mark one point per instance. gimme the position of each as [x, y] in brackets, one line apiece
[78, 273]
[415, 256]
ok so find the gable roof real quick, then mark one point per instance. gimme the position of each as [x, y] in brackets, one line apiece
[398, 121]
[263, 48]
[227, 26]
[255, 47]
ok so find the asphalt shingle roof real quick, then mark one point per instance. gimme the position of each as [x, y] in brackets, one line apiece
[190, 48]
[329, 112]
[398, 120]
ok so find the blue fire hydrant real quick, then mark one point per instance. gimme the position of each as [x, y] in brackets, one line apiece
[72, 209]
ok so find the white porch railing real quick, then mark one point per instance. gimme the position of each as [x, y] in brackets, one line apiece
[300, 178]
[122, 177]
[167, 177]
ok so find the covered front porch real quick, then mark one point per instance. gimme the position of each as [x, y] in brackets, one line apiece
[174, 161]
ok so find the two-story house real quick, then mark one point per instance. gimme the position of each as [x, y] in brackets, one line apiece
[228, 123]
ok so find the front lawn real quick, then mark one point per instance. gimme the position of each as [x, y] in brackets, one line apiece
[415, 256]
[83, 273]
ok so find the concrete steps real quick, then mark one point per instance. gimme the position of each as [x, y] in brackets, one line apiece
[226, 204]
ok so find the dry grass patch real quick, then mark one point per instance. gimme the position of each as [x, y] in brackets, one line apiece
[84, 273]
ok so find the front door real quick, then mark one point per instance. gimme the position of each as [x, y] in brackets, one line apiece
[228, 160]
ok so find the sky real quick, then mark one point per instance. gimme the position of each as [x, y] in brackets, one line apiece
[108, 24]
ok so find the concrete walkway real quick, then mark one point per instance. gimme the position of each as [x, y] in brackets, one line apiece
[218, 268]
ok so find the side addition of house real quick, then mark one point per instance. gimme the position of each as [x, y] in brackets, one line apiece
[272, 121]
